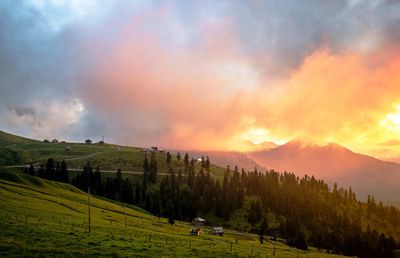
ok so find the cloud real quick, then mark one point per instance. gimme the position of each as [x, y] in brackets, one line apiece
[391, 142]
[200, 74]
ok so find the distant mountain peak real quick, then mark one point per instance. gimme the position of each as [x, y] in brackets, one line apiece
[265, 145]
[303, 143]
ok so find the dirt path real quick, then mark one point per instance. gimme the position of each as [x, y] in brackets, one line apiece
[75, 158]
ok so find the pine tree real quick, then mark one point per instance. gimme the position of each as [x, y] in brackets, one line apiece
[262, 231]
[31, 170]
[186, 162]
[169, 157]
[50, 169]
[64, 172]
[169, 211]
[153, 169]
[208, 164]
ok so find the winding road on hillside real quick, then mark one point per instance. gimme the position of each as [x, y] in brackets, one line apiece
[81, 169]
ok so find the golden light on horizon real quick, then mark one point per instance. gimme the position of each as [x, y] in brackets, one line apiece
[392, 120]
[256, 135]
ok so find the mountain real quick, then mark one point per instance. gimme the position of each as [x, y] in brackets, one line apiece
[335, 163]
[226, 158]
[233, 158]
[266, 145]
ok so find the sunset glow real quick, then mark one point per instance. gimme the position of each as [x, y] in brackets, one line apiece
[256, 135]
[225, 79]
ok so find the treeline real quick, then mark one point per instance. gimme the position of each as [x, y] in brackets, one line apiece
[308, 212]
[56, 171]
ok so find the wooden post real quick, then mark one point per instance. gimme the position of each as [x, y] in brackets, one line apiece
[89, 209]
[166, 240]
[125, 214]
[274, 250]
[231, 247]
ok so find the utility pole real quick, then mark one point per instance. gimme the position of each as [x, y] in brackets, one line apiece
[125, 214]
[89, 207]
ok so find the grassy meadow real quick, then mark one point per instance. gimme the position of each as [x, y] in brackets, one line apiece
[15, 150]
[40, 217]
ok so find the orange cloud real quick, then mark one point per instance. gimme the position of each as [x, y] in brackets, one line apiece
[341, 98]
[209, 95]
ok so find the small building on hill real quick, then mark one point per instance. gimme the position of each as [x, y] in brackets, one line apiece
[199, 222]
[88, 141]
[46, 141]
[218, 231]
[195, 232]
[54, 141]
[102, 140]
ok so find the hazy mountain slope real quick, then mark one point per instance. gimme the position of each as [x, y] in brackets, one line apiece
[225, 158]
[334, 163]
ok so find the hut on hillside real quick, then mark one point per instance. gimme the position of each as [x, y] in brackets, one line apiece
[88, 141]
[199, 222]
[218, 231]
[195, 232]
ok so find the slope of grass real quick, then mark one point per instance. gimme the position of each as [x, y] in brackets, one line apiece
[39, 217]
[16, 150]
[10, 138]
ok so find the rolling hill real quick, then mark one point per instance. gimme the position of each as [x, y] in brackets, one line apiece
[331, 162]
[227, 158]
[17, 151]
[334, 163]
[45, 218]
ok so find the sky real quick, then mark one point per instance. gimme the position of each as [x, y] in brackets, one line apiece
[204, 75]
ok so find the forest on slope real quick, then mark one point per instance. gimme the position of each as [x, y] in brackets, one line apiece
[303, 211]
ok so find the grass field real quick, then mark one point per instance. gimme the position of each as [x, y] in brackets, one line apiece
[40, 217]
[15, 150]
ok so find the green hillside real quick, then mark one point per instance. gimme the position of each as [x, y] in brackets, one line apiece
[40, 217]
[16, 150]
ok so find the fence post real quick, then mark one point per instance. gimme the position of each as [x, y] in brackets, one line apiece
[125, 214]
[274, 250]
[231, 247]
[251, 249]
[89, 207]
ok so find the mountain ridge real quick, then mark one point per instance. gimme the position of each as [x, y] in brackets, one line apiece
[335, 164]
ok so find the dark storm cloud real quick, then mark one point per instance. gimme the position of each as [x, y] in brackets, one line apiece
[280, 34]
